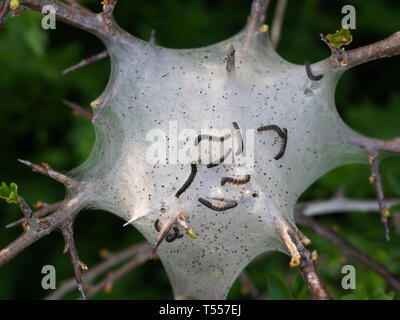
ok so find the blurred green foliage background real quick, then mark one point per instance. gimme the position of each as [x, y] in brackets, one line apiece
[36, 126]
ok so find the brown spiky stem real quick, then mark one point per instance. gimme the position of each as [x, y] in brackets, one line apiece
[303, 260]
[44, 210]
[111, 260]
[345, 247]
[107, 283]
[108, 9]
[78, 110]
[341, 61]
[72, 15]
[376, 178]
[68, 234]
[42, 227]
[97, 57]
[372, 147]
[46, 170]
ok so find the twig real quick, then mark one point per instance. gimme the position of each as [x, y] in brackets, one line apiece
[112, 260]
[382, 49]
[76, 17]
[347, 248]
[112, 277]
[46, 209]
[257, 16]
[277, 22]
[46, 170]
[341, 205]
[85, 62]
[78, 110]
[46, 225]
[376, 177]
[4, 11]
[68, 235]
[303, 260]
[108, 8]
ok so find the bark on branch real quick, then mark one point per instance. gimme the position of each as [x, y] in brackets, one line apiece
[382, 49]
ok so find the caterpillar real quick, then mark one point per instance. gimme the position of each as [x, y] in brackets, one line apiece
[176, 235]
[210, 138]
[236, 181]
[240, 138]
[220, 160]
[224, 205]
[188, 181]
[170, 236]
[283, 135]
[310, 74]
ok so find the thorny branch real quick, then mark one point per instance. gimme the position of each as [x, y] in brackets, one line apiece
[72, 14]
[100, 56]
[68, 234]
[41, 224]
[346, 247]
[382, 49]
[111, 260]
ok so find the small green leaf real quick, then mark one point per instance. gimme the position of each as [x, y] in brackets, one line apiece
[9, 193]
[277, 288]
[394, 180]
[340, 38]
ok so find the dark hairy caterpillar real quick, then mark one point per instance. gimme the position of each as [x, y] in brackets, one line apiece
[310, 74]
[241, 145]
[188, 181]
[283, 135]
[235, 181]
[224, 205]
[176, 235]
[220, 160]
[171, 236]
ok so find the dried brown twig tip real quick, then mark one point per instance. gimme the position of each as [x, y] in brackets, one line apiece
[78, 110]
[67, 232]
[373, 160]
[85, 62]
[46, 170]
